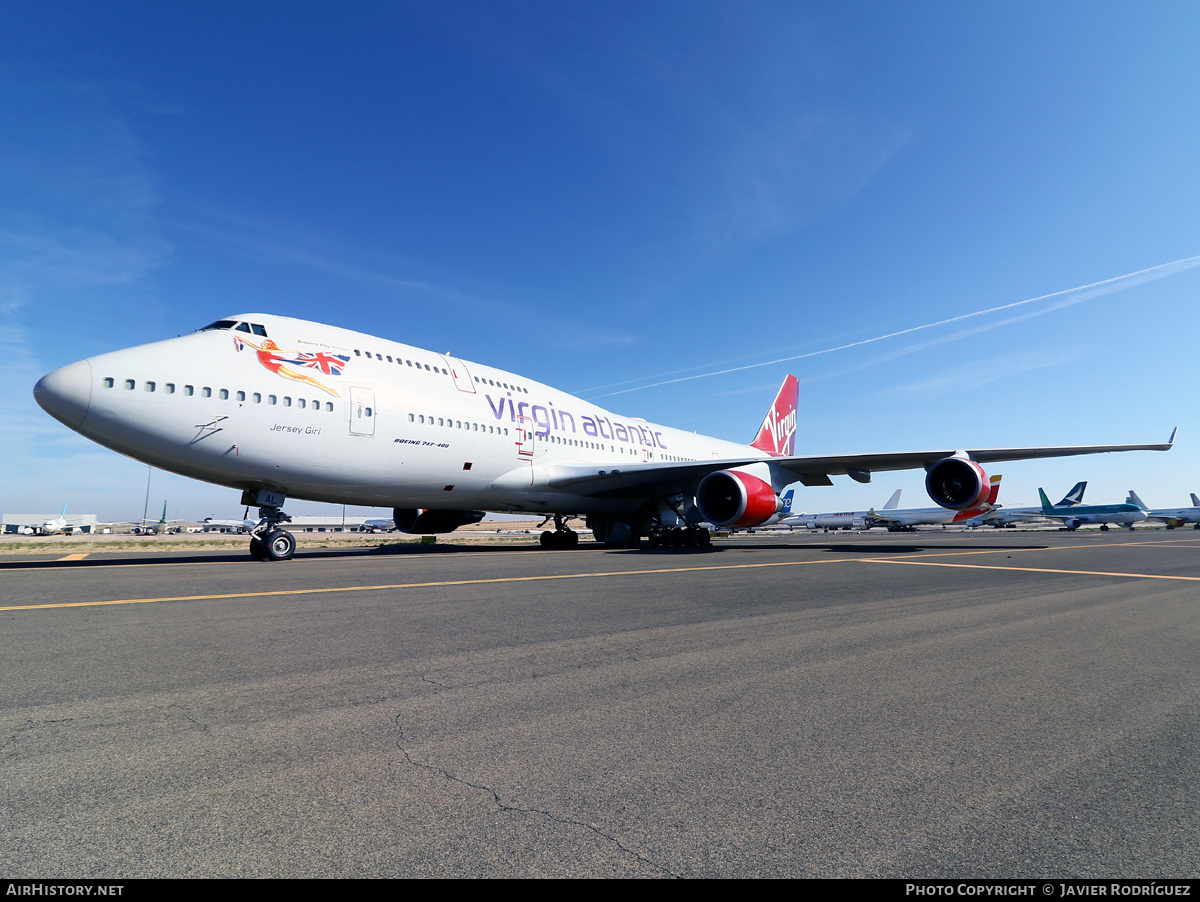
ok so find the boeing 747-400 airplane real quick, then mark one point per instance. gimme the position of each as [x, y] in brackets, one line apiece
[280, 407]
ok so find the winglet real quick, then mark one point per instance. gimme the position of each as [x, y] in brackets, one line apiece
[1171, 440]
[777, 435]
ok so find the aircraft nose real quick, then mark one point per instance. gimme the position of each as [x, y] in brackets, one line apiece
[66, 393]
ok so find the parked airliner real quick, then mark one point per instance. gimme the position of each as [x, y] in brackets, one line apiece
[51, 527]
[841, 519]
[1001, 517]
[1073, 517]
[907, 520]
[1172, 516]
[280, 407]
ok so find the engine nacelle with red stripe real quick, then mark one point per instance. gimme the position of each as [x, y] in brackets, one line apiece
[957, 483]
[730, 498]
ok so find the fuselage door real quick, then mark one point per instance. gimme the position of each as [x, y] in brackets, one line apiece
[525, 432]
[460, 374]
[362, 411]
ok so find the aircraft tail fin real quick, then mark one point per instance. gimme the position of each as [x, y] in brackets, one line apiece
[777, 435]
[893, 502]
[1195, 500]
[1047, 508]
[995, 492]
[786, 510]
[1134, 499]
[1073, 497]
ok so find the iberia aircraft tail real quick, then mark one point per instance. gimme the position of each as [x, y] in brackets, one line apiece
[778, 433]
[995, 492]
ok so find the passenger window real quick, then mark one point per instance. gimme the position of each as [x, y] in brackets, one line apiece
[271, 399]
[287, 402]
[188, 390]
[241, 396]
[149, 386]
[329, 405]
[368, 411]
[411, 418]
[257, 398]
[224, 394]
[357, 352]
[206, 392]
[169, 388]
[389, 357]
[108, 381]
[129, 383]
[301, 403]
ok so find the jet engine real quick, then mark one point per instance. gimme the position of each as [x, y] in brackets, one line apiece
[957, 483]
[1072, 523]
[424, 521]
[730, 498]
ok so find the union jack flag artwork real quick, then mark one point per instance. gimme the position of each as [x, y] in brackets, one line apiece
[329, 364]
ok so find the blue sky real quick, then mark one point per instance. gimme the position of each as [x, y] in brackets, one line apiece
[609, 196]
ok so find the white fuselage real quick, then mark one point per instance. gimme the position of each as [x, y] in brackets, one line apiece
[831, 520]
[327, 414]
[1176, 515]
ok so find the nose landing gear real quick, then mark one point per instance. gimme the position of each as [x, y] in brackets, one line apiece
[268, 542]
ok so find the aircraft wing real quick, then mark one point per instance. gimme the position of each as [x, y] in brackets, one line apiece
[632, 480]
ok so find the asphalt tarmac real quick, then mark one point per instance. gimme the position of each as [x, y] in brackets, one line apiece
[930, 705]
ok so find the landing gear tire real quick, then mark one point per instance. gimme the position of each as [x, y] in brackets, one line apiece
[280, 545]
[1104, 527]
[257, 551]
[557, 539]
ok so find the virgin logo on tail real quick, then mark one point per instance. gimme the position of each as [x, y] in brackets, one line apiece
[778, 433]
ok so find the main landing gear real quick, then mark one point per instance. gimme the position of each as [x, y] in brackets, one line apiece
[269, 542]
[679, 537]
[561, 537]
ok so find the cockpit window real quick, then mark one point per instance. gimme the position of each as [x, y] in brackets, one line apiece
[243, 327]
[259, 330]
[219, 324]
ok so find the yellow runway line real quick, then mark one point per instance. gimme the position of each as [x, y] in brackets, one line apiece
[394, 586]
[912, 563]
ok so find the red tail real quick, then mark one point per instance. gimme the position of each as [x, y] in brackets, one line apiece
[778, 433]
[991, 498]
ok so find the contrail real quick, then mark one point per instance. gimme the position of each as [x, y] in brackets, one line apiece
[1086, 292]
